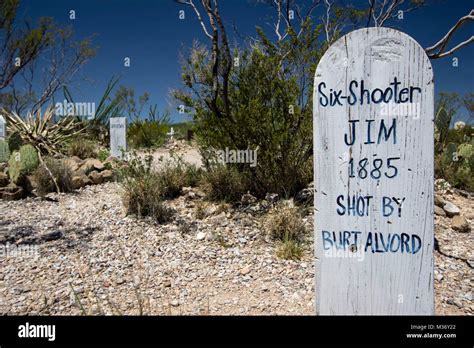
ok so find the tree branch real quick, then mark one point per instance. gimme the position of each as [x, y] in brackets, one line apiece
[440, 46]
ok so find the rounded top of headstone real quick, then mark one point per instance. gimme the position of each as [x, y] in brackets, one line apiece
[377, 45]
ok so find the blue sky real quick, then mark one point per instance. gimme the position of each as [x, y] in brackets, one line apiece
[152, 35]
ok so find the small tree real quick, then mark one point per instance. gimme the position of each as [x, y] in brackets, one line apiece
[26, 48]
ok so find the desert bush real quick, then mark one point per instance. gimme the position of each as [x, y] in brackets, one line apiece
[59, 170]
[103, 154]
[224, 183]
[147, 134]
[200, 212]
[170, 181]
[40, 131]
[22, 162]
[82, 148]
[454, 160]
[142, 187]
[191, 174]
[4, 151]
[267, 105]
[290, 250]
[284, 223]
[174, 174]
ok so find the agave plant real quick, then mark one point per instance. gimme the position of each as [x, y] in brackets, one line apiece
[41, 131]
[108, 107]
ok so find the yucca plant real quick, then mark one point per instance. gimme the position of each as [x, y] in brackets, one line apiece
[98, 127]
[40, 131]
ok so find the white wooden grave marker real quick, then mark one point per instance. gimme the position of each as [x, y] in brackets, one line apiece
[373, 167]
[118, 136]
[3, 128]
[171, 133]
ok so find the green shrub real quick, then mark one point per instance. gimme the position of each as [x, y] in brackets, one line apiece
[285, 223]
[290, 250]
[59, 170]
[142, 187]
[22, 162]
[454, 160]
[267, 106]
[103, 154]
[170, 181]
[4, 151]
[82, 148]
[147, 134]
[224, 183]
[175, 174]
[200, 212]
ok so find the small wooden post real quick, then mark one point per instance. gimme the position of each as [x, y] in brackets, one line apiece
[118, 136]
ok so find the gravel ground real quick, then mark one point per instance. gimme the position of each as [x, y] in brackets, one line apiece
[87, 256]
[114, 262]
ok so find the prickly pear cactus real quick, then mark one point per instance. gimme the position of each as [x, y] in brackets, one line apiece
[450, 154]
[4, 151]
[465, 151]
[22, 163]
[29, 158]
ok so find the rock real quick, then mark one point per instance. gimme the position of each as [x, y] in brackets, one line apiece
[248, 199]
[246, 270]
[91, 164]
[442, 185]
[174, 303]
[95, 177]
[271, 197]
[77, 182]
[210, 210]
[460, 224]
[200, 236]
[72, 164]
[111, 162]
[306, 195]
[439, 201]
[51, 236]
[107, 175]
[451, 209]
[87, 180]
[12, 192]
[455, 302]
[439, 211]
[4, 179]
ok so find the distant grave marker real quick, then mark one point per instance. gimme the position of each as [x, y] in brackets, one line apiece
[171, 134]
[3, 128]
[118, 136]
[373, 165]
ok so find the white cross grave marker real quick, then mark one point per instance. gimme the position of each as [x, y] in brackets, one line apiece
[171, 133]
